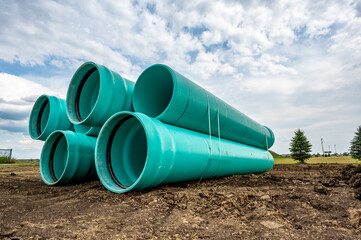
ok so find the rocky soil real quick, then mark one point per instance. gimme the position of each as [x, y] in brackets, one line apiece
[289, 202]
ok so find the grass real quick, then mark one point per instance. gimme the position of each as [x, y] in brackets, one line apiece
[278, 160]
[317, 160]
[34, 162]
[6, 160]
[14, 162]
[19, 164]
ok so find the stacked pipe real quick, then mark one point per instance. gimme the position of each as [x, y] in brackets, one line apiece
[163, 129]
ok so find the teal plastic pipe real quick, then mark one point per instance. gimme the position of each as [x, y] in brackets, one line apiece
[67, 157]
[134, 152]
[89, 131]
[95, 93]
[48, 114]
[163, 93]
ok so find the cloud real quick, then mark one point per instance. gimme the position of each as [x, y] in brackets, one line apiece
[23, 147]
[14, 125]
[17, 98]
[287, 64]
[20, 89]
[13, 114]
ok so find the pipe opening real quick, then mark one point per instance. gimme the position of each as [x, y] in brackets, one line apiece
[58, 157]
[126, 152]
[87, 93]
[153, 91]
[43, 117]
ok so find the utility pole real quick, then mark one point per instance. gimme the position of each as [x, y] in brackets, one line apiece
[323, 150]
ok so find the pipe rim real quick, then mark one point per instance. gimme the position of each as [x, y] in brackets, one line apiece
[80, 79]
[108, 152]
[272, 136]
[79, 92]
[51, 158]
[48, 157]
[40, 112]
[105, 168]
[136, 103]
[40, 116]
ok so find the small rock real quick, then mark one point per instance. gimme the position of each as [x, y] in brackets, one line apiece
[320, 189]
[12, 174]
[355, 217]
[266, 197]
[271, 224]
[7, 233]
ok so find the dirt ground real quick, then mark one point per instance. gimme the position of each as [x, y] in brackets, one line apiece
[289, 202]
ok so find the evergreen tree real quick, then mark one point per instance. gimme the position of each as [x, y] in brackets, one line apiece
[355, 149]
[300, 147]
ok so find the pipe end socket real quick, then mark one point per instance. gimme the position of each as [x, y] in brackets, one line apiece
[121, 153]
[153, 90]
[83, 93]
[39, 118]
[271, 139]
[54, 158]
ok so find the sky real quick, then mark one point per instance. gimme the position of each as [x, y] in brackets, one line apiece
[286, 64]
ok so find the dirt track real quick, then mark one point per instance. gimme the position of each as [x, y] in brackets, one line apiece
[289, 202]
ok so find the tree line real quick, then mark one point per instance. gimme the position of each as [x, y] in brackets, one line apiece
[300, 147]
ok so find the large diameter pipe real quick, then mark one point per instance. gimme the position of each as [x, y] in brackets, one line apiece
[67, 157]
[134, 152]
[48, 115]
[162, 93]
[95, 93]
[89, 131]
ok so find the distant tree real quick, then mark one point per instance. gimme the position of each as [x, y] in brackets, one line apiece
[318, 155]
[355, 149]
[300, 147]
[346, 154]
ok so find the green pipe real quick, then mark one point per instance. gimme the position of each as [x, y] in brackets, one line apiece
[48, 114]
[163, 93]
[134, 152]
[89, 131]
[95, 93]
[67, 157]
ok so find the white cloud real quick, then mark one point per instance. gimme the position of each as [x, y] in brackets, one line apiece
[14, 88]
[271, 59]
[23, 147]
[17, 98]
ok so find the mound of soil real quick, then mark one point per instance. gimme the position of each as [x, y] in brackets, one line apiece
[289, 202]
[352, 175]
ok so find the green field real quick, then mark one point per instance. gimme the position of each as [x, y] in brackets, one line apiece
[20, 163]
[314, 160]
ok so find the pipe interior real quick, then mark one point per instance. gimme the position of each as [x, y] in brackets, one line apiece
[87, 93]
[153, 91]
[128, 152]
[58, 157]
[43, 117]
